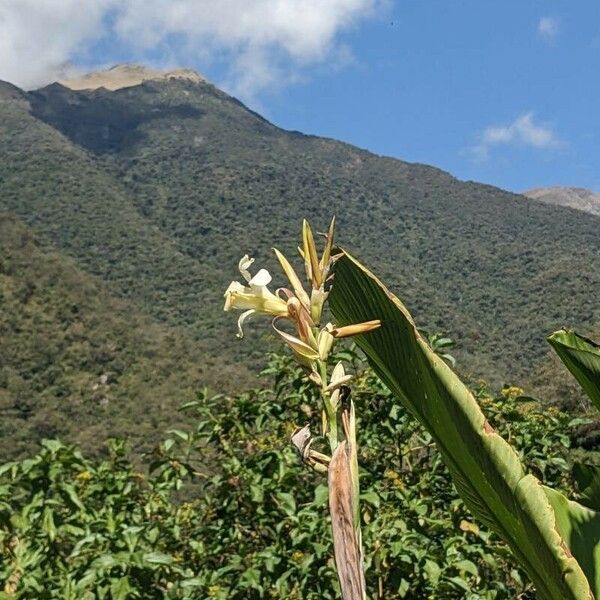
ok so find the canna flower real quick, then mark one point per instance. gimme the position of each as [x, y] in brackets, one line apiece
[254, 297]
[282, 305]
[294, 305]
[317, 269]
[356, 329]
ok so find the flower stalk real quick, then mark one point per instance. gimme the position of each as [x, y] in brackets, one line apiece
[301, 311]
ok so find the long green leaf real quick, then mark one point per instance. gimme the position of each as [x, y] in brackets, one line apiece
[579, 526]
[582, 357]
[486, 470]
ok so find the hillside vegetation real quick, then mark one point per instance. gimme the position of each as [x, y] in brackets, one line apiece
[156, 190]
[255, 524]
[79, 363]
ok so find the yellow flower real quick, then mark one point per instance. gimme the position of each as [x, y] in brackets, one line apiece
[512, 392]
[255, 297]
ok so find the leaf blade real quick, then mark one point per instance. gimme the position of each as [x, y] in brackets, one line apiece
[486, 470]
[582, 357]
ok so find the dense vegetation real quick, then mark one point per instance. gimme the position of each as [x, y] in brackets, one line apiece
[227, 511]
[79, 363]
[157, 189]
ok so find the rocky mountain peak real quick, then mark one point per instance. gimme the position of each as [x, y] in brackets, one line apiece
[573, 197]
[127, 75]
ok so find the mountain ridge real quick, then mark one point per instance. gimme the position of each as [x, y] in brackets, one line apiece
[572, 197]
[126, 75]
[158, 189]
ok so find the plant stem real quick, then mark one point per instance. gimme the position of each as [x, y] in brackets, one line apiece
[330, 411]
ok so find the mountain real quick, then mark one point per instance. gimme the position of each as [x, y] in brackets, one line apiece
[80, 363]
[156, 189]
[122, 76]
[573, 197]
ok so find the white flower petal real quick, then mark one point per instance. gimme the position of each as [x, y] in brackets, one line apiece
[244, 264]
[241, 320]
[325, 342]
[338, 372]
[234, 286]
[260, 280]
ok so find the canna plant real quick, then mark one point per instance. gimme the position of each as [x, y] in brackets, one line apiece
[582, 357]
[556, 540]
[311, 343]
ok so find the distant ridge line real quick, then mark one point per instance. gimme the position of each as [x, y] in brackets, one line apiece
[126, 75]
[572, 197]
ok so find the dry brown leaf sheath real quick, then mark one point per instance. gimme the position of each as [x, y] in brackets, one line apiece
[346, 543]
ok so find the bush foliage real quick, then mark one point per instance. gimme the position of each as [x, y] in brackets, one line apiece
[228, 511]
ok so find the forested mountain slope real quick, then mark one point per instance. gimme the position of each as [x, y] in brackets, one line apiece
[157, 190]
[79, 363]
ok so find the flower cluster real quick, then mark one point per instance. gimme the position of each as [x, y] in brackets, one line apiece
[309, 342]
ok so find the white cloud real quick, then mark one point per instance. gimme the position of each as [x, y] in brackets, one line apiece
[548, 27]
[264, 42]
[523, 131]
[39, 37]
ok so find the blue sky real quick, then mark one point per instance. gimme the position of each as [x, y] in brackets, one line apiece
[431, 78]
[500, 92]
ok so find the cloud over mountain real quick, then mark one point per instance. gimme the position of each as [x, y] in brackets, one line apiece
[263, 43]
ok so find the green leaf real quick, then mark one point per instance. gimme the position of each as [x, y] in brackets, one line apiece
[582, 357]
[158, 558]
[487, 472]
[184, 435]
[73, 497]
[251, 579]
[588, 483]
[7, 467]
[48, 523]
[321, 495]
[467, 566]
[287, 502]
[433, 571]
[579, 526]
[105, 561]
[120, 589]
[371, 498]
[191, 583]
[52, 445]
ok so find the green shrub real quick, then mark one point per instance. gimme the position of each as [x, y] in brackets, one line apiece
[228, 511]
